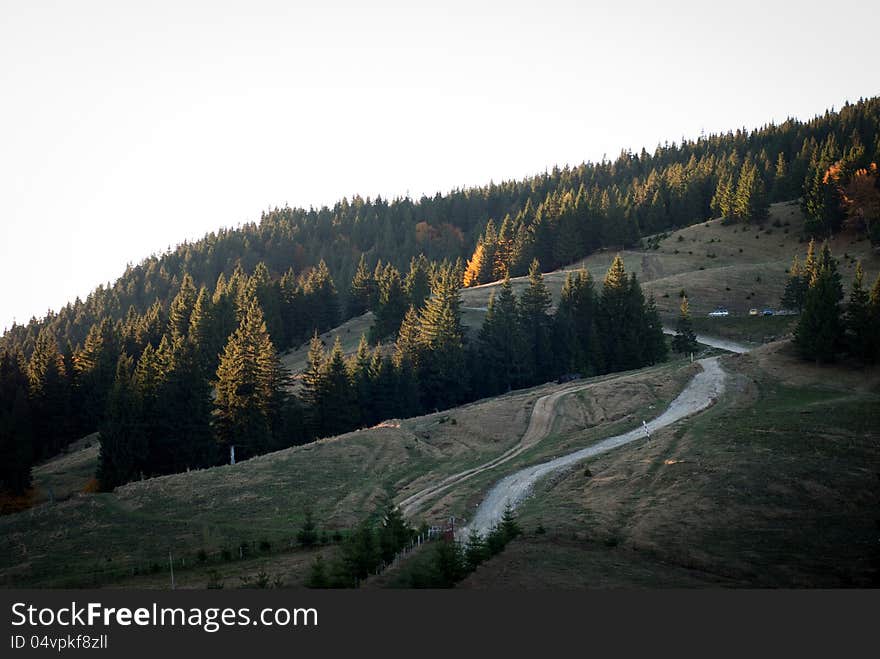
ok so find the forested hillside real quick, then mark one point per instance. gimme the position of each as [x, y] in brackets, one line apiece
[178, 358]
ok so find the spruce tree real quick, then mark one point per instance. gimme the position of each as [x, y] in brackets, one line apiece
[337, 400]
[96, 371]
[474, 550]
[860, 334]
[391, 307]
[250, 388]
[874, 317]
[16, 435]
[618, 328]
[307, 535]
[795, 287]
[181, 308]
[685, 339]
[124, 447]
[49, 395]
[501, 343]
[535, 325]
[361, 291]
[313, 384]
[418, 281]
[819, 333]
[440, 342]
[655, 341]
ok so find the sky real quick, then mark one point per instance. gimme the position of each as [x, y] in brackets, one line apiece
[127, 128]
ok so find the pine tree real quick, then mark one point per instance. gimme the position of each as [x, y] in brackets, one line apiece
[307, 535]
[535, 324]
[49, 395]
[476, 265]
[313, 384]
[394, 532]
[184, 410]
[501, 343]
[201, 334]
[860, 335]
[124, 446]
[750, 201]
[16, 435]
[96, 371]
[363, 378]
[318, 574]
[685, 340]
[249, 388]
[418, 282]
[655, 341]
[509, 526]
[268, 294]
[391, 307]
[874, 317]
[181, 308]
[795, 287]
[336, 400]
[321, 299]
[475, 550]
[362, 290]
[819, 333]
[576, 337]
[619, 330]
[440, 344]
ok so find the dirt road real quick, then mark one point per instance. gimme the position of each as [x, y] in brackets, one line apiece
[540, 425]
[711, 341]
[700, 393]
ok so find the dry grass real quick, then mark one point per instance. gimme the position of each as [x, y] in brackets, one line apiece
[776, 486]
[716, 265]
[68, 473]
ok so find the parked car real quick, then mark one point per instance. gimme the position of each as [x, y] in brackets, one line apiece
[753, 312]
[767, 312]
[720, 312]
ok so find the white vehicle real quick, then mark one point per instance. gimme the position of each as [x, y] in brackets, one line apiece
[719, 313]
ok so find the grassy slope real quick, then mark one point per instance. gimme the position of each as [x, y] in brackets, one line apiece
[777, 486]
[747, 269]
[101, 539]
[97, 539]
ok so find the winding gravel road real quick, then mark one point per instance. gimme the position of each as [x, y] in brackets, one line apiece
[701, 392]
[540, 425]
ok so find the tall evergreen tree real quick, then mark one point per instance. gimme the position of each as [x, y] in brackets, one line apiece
[861, 336]
[501, 344]
[795, 287]
[337, 399]
[441, 344]
[418, 281]
[362, 290]
[655, 342]
[49, 395]
[96, 371]
[249, 387]
[181, 308]
[819, 333]
[124, 445]
[685, 339]
[16, 436]
[536, 327]
[618, 328]
[391, 307]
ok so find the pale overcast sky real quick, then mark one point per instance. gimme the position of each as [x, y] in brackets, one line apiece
[128, 127]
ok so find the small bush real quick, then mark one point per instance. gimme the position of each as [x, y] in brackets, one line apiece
[202, 556]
